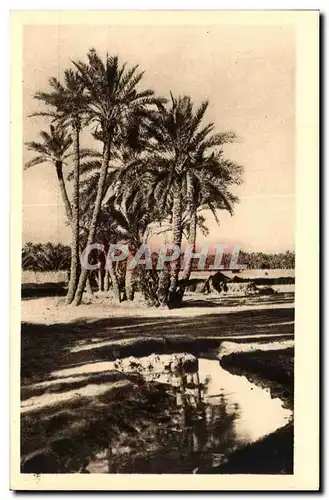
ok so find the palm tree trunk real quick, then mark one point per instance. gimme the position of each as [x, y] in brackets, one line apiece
[100, 279]
[163, 287]
[88, 286]
[129, 282]
[106, 280]
[191, 240]
[65, 198]
[94, 219]
[177, 240]
[192, 208]
[74, 274]
[68, 208]
[114, 280]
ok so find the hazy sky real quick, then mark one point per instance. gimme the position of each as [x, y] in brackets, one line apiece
[248, 75]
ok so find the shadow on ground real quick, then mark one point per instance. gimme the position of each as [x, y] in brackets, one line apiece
[32, 290]
[252, 300]
[45, 348]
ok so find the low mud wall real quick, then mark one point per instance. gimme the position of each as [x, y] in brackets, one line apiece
[40, 277]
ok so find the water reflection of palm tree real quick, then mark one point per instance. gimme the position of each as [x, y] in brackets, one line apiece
[185, 432]
[208, 428]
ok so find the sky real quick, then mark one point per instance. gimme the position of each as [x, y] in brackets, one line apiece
[248, 75]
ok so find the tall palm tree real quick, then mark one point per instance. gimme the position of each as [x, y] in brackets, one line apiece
[54, 149]
[107, 229]
[68, 102]
[188, 168]
[202, 194]
[111, 88]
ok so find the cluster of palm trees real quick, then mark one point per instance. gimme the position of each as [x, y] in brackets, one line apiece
[45, 257]
[158, 165]
[261, 260]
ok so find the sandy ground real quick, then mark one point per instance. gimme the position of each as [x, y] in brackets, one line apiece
[51, 310]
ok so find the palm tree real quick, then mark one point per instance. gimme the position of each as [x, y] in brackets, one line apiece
[202, 193]
[187, 168]
[126, 211]
[114, 100]
[69, 102]
[107, 230]
[53, 149]
[125, 215]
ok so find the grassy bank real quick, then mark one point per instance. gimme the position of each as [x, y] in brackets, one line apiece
[271, 455]
[274, 453]
[272, 369]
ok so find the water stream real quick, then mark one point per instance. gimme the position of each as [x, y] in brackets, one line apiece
[201, 414]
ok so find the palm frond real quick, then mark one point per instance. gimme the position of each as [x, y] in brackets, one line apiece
[38, 160]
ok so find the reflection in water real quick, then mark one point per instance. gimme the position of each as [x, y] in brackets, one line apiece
[206, 413]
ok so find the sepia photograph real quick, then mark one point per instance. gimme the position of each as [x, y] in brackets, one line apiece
[158, 171]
